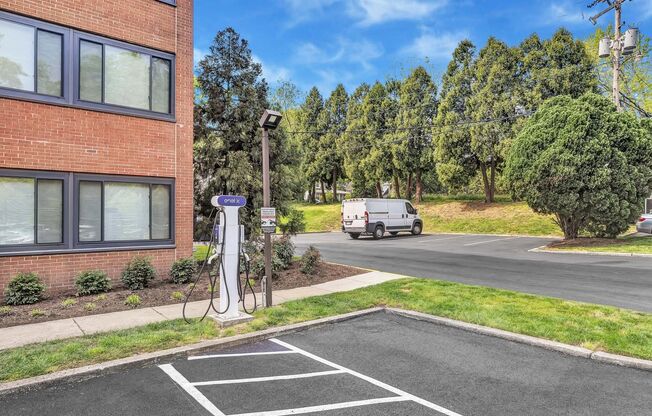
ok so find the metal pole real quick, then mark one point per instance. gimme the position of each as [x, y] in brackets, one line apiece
[616, 57]
[267, 204]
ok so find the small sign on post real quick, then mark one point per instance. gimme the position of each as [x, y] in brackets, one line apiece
[268, 220]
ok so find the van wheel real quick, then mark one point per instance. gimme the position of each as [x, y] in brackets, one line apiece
[379, 231]
[416, 229]
[354, 235]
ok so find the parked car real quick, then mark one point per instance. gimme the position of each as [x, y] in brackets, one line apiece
[374, 216]
[644, 224]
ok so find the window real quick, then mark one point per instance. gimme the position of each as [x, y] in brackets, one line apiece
[118, 75]
[31, 58]
[410, 209]
[106, 212]
[114, 210]
[31, 209]
[49, 63]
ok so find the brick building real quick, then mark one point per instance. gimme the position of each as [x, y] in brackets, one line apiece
[96, 113]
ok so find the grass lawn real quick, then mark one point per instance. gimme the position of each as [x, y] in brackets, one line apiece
[456, 214]
[595, 327]
[630, 244]
[199, 252]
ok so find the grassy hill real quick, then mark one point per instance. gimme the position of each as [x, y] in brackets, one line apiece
[444, 214]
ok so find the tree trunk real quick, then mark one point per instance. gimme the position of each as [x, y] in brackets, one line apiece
[379, 189]
[323, 191]
[408, 191]
[313, 191]
[492, 181]
[335, 199]
[419, 192]
[397, 187]
[485, 182]
[570, 227]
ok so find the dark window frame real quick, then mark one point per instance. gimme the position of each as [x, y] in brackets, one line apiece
[170, 2]
[36, 176]
[65, 61]
[122, 179]
[70, 224]
[70, 72]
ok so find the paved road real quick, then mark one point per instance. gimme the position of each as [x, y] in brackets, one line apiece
[501, 262]
[378, 364]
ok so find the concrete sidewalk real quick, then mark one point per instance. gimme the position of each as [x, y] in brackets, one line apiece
[20, 335]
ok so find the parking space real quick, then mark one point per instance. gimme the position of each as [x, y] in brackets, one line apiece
[377, 364]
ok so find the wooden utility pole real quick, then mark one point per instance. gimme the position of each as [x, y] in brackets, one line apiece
[616, 56]
[266, 204]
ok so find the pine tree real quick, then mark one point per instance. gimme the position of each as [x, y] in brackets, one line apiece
[309, 117]
[353, 143]
[333, 123]
[375, 160]
[456, 163]
[227, 146]
[417, 109]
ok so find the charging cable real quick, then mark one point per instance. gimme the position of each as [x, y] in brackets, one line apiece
[242, 291]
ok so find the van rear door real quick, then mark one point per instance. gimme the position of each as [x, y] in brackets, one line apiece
[353, 218]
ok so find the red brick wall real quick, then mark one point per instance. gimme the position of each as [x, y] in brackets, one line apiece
[56, 138]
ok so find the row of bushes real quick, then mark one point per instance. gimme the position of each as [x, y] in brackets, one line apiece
[27, 288]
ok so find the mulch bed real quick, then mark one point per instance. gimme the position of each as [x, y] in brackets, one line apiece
[159, 293]
[586, 242]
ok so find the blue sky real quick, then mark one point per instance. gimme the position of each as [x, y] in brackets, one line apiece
[323, 42]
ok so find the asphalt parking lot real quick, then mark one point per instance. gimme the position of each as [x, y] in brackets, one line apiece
[376, 364]
[503, 262]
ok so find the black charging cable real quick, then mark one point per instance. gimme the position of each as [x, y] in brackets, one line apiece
[242, 291]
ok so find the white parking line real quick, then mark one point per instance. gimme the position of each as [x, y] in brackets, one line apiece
[368, 379]
[311, 409]
[271, 378]
[244, 354]
[442, 239]
[490, 241]
[191, 390]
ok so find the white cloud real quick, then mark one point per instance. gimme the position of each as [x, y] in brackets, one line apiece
[361, 52]
[372, 12]
[436, 46]
[273, 73]
[198, 55]
[563, 12]
[366, 12]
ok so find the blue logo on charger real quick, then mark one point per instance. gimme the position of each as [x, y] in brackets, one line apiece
[231, 200]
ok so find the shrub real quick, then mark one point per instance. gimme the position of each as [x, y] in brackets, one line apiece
[35, 313]
[295, 223]
[310, 260]
[283, 249]
[66, 303]
[89, 306]
[183, 270]
[5, 310]
[582, 161]
[92, 282]
[133, 301]
[138, 273]
[24, 289]
[101, 297]
[176, 296]
[258, 266]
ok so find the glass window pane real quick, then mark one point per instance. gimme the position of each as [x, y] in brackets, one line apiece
[160, 212]
[90, 71]
[126, 81]
[16, 56]
[90, 211]
[16, 211]
[49, 63]
[161, 85]
[50, 211]
[126, 211]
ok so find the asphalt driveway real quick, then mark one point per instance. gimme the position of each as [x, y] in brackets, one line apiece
[377, 364]
[497, 261]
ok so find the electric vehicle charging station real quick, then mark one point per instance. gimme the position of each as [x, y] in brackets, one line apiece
[225, 250]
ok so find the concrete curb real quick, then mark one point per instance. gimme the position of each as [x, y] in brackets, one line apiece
[543, 249]
[599, 356]
[157, 356]
[193, 349]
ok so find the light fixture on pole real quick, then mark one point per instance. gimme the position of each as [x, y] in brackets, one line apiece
[268, 121]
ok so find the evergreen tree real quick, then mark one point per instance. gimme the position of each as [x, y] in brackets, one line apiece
[417, 109]
[456, 163]
[309, 116]
[375, 160]
[494, 96]
[353, 143]
[333, 124]
[227, 147]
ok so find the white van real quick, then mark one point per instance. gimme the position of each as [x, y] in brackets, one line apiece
[376, 216]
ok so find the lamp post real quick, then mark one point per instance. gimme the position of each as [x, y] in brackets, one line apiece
[268, 121]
